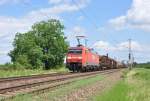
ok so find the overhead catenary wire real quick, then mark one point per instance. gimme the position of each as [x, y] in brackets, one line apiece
[84, 14]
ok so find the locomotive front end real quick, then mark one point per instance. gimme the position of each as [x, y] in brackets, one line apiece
[74, 59]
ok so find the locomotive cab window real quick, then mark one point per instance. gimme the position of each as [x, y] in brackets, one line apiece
[75, 51]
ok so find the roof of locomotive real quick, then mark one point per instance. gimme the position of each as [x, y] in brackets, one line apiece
[83, 47]
[79, 47]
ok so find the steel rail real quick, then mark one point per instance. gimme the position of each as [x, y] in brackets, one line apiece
[30, 85]
[10, 79]
[55, 83]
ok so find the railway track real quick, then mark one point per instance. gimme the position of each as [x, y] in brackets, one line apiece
[41, 83]
[9, 79]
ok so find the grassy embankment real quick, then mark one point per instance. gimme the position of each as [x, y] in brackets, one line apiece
[25, 72]
[61, 91]
[134, 87]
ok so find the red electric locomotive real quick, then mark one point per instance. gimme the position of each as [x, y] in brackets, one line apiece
[81, 58]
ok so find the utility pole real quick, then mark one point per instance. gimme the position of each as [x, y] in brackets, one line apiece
[130, 55]
[133, 61]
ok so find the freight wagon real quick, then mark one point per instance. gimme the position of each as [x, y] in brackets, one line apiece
[106, 62]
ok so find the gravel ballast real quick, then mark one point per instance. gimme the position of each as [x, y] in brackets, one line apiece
[86, 92]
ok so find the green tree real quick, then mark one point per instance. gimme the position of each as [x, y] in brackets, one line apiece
[43, 46]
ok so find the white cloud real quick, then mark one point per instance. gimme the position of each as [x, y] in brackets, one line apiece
[80, 18]
[103, 45]
[55, 1]
[10, 25]
[122, 46]
[79, 30]
[3, 2]
[118, 23]
[71, 34]
[136, 17]
[120, 50]
[23, 23]
[78, 2]
[125, 45]
[76, 31]
[3, 52]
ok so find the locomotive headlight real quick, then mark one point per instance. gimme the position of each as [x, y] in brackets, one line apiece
[80, 57]
[68, 57]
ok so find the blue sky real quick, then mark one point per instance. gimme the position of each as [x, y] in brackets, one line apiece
[108, 24]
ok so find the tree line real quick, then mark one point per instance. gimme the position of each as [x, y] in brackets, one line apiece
[43, 46]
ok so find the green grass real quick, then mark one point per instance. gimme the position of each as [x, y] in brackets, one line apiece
[144, 65]
[142, 74]
[134, 87]
[60, 92]
[118, 93]
[26, 72]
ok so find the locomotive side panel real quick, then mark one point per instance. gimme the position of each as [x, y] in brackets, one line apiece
[92, 59]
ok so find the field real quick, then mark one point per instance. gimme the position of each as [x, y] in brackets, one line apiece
[26, 72]
[135, 86]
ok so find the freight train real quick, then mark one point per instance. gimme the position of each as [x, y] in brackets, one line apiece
[82, 59]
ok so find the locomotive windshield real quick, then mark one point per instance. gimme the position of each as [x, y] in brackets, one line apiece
[75, 51]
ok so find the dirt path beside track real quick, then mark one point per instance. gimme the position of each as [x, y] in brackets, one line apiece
[85, 93]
